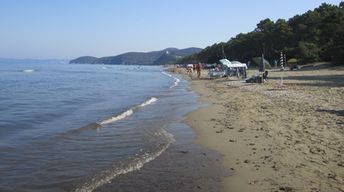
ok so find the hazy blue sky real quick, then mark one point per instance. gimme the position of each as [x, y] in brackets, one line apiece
[71, 28]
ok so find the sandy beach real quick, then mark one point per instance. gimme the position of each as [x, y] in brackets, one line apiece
[273, 136]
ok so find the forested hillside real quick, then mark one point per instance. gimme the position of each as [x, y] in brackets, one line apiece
[317, 35]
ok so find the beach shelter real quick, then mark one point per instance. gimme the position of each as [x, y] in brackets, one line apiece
[234, 68]
[233, 64]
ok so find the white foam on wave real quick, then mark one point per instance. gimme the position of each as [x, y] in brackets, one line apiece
[163, 72]
[135, 164]
[28, 70]
[129, 112]
[118, 117]
[148, 102]
[176, 80]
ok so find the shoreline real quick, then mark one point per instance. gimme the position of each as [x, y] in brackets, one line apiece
[274, 137]
[184, 165]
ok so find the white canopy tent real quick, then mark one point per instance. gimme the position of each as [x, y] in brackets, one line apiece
[234, 68]
[234, 64]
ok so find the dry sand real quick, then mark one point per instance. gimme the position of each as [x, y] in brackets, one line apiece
[275, 137]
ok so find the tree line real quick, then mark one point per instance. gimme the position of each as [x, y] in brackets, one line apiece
[317, 35]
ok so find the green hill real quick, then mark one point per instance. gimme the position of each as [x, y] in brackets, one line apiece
[169, 55]
[83, 60]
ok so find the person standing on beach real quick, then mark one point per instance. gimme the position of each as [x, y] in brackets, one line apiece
[198, 69]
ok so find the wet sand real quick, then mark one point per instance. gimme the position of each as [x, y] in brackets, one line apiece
[273, 136]
[179, 169]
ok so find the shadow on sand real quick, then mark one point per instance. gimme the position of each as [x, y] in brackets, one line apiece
[336, 112]
[317, 80]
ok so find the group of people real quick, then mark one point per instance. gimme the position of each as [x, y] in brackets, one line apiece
[197, 68]
[258, 78]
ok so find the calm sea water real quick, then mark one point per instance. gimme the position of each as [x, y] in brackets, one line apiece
[78, 127]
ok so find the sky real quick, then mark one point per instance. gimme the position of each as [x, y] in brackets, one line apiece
[66, 29]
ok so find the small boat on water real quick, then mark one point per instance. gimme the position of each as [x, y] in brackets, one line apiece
[28, 70]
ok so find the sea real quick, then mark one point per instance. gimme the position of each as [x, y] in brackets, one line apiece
[83, 128]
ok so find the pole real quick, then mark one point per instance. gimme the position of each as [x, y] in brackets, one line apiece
[282, 67]
[263, 63]
[223, 53]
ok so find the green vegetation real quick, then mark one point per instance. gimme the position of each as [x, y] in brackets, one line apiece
[316, 35]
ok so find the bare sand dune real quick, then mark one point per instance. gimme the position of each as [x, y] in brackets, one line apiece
[275, 137]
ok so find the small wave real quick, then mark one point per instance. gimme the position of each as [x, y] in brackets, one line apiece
[28, 70]
[163, 72]
[176, 80]
[129, 112]
[150, 101]
[118, 117]
[134, 164]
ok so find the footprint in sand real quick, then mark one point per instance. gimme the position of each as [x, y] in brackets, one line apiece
[241, 130]
[219, 131]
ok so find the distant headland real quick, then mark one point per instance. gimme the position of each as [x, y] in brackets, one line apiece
[169, 55]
